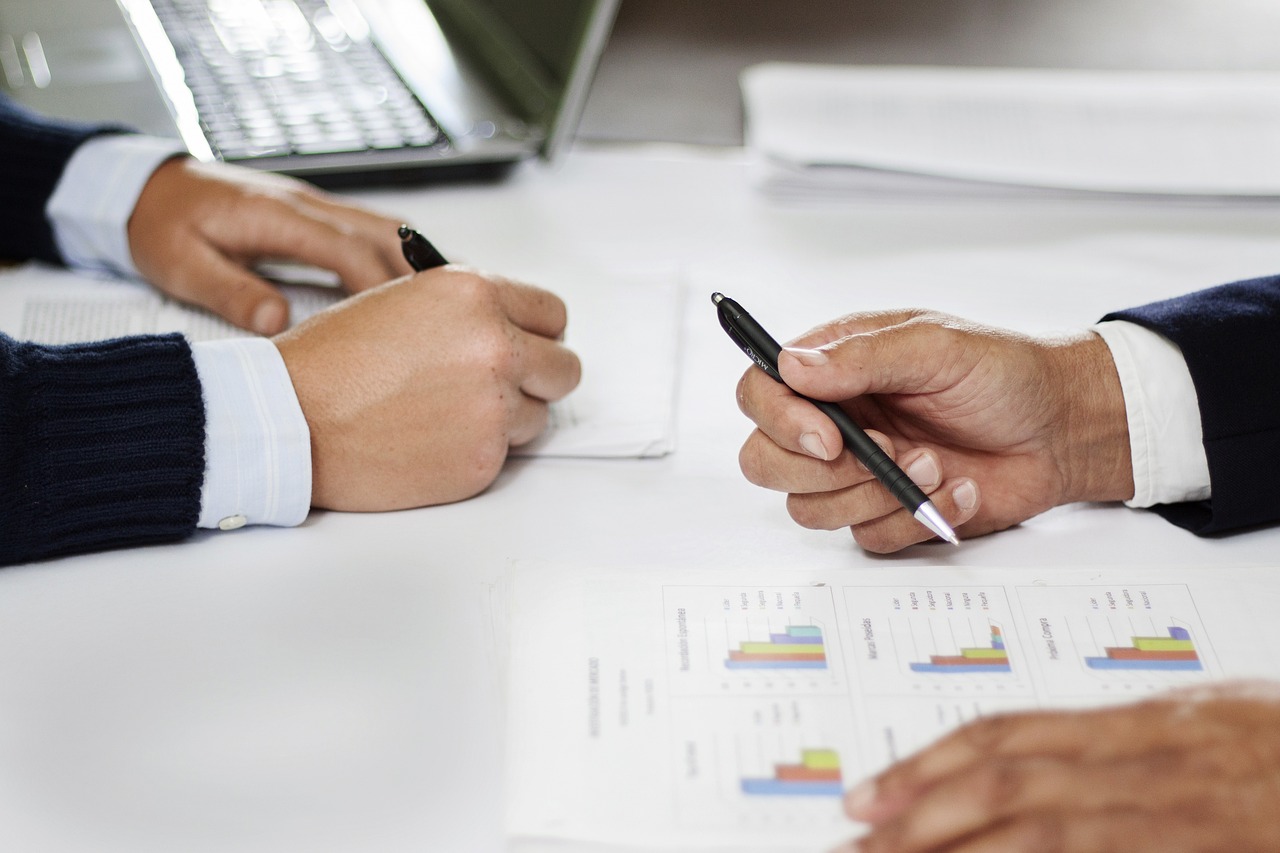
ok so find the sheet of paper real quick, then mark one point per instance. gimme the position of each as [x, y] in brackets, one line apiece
[728, 709]
[1146, 132]
[624, 326]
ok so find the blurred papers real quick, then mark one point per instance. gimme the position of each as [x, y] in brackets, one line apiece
[842, 130]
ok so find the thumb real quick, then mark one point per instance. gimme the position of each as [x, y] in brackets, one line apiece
[912, 357]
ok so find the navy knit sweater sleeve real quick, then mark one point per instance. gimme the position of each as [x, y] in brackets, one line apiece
[33, 152]
[1230, 337]
[101, 445]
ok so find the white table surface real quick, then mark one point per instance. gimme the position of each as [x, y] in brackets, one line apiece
[337, 687]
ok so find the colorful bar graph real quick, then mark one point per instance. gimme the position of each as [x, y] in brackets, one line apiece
[1175, 652]
[987, 659]
[817, 775]
[797, 647]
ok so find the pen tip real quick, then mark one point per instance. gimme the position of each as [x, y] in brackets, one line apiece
[405, 232]
[717, 297]
[928, 515]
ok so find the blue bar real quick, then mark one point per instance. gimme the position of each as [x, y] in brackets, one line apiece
[775, 664]
[1110, 663]
[779, 787]
[1179, 634]
[957, 669]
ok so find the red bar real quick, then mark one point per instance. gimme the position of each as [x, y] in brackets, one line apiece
[779, 656]
[1127, 653]
[800, 773]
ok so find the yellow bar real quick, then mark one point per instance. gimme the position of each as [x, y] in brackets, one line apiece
[781, 648]
[820, 759]
[1162, 644]
[1003, 654]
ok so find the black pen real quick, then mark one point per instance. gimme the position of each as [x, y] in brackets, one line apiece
[761, 348]
[418, 250]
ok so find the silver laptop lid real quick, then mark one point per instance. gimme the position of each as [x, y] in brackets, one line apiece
[503, 80]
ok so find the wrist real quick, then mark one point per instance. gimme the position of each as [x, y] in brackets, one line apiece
[1092, 446]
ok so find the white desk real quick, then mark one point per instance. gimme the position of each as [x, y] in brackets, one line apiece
[334, 687]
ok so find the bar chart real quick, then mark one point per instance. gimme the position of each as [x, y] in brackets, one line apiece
[817, 774]
[936, 641]
[764, 762]
[993, 657]
[1115, 641]
[731, 641]
[1175, 651]
[796, 647]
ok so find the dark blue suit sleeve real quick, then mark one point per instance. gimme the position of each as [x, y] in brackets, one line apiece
[101, 445]
[1230, 337]
[34, 150]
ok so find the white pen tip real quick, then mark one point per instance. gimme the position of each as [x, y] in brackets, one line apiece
[717, 297]
[928, 515]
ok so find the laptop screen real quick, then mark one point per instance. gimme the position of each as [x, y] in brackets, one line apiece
[529, 50]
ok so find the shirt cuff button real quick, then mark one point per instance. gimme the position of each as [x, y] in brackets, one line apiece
[232, 522]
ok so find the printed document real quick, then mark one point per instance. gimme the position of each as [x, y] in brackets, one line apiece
[730, 709]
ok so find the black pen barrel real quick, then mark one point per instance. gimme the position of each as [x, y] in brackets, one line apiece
[870, 454]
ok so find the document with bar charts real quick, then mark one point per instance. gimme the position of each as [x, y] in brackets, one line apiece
[730, 709]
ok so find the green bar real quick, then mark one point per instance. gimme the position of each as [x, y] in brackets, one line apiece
[985, 653]
[820, 759]
[804, 630]
[778, 648]
[1162, 644]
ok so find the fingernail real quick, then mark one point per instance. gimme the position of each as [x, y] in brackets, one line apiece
[812, 444]
[858, 799]
[923, 471]
[268, 317]
[810, 357]
[966, 496]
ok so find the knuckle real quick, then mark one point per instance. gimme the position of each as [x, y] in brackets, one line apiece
[751, 459]
[471, 288]
[485, 461]
[872, 540]
[807, 511]
[989, 733]
[998, 783]
[740, 395]
[1044, 832]
[493, 348]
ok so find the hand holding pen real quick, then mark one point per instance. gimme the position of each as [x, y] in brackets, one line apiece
[762, 349]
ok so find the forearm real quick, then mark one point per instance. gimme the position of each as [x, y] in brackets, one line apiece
[33, 153]
[1227, 335]
[1093, 445]
[101, 445]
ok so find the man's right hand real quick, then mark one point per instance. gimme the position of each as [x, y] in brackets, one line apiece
[415, 390]
[994, 425]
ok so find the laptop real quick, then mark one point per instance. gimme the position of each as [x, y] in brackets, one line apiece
[340, 92]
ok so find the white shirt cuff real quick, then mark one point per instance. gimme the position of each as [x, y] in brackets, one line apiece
[257, 445]
[1165, 437]
[90, 207]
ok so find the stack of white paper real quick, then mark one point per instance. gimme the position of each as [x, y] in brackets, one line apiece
[886, 130]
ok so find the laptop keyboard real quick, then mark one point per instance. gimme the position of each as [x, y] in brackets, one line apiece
[282, 77]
